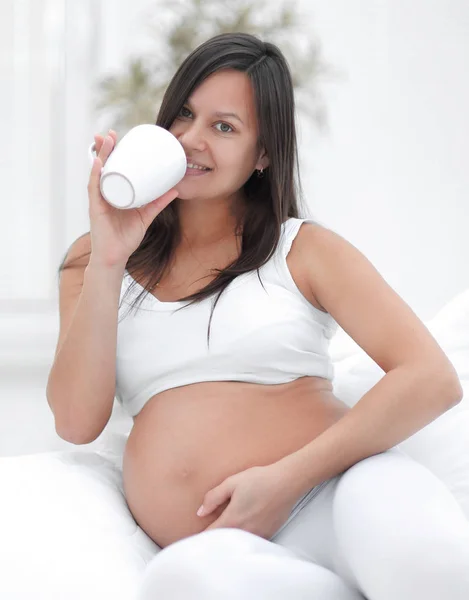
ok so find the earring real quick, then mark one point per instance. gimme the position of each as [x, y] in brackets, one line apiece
[260, 173]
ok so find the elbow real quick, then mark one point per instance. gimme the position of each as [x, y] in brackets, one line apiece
[73, 429]
[75, 436]
[457, 392]
[73, 432]
[79, 433]
[451, 386]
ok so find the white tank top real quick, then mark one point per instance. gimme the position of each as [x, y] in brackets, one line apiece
[266, 334]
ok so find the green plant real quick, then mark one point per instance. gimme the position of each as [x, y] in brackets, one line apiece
[176, 27]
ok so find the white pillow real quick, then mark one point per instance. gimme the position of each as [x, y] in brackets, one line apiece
[66, 530]
[443, 445]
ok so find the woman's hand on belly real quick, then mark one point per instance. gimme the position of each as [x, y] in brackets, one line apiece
[170, 463]
[256, 500]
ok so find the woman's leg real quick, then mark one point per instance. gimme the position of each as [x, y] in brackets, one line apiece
[389, 527]
[232, 564]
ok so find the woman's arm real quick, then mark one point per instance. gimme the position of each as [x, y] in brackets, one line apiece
[81, 384]
[420, 382]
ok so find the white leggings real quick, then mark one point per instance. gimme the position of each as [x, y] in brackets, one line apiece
[385, 529]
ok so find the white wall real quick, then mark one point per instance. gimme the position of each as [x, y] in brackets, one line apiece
[390, 175]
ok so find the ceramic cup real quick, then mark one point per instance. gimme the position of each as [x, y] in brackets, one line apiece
[146, 163]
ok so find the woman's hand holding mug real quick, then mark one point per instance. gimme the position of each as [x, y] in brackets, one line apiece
[117, 233]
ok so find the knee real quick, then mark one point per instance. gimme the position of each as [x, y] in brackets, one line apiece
[200, 566]
[189, 568]
[220, 543]
[380, 478]
[231, 563]
[195, 556]
[215, 542]
[379, 465]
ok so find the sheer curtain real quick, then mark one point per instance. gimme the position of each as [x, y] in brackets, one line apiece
[50, 59]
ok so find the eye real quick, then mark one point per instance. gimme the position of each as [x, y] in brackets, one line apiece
[225, 124]
[182, 109]
[186, 116]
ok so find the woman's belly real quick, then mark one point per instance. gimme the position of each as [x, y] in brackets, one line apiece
[187, 440]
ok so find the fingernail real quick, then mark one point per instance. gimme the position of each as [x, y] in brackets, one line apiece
[200, 511]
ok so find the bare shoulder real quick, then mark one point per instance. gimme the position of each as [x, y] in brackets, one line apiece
[72, 273]
[308, 246]
[315, 233]
[78, 254]
[322, 252]
[72, 269]
[334, 268]
[351, 289]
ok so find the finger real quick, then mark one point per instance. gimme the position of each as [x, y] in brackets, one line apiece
[106, 149]
[98, 142]
[151, 210]
[215, 498]
[99, 139]
[95, 174]
[222, 520]
[215, 525]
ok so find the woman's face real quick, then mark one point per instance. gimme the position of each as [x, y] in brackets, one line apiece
[226, 144]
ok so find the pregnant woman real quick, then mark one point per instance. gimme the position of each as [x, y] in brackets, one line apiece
[208, 313]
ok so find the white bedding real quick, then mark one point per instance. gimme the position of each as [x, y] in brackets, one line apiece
[67, 533]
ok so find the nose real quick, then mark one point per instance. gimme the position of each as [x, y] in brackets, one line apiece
[192, 138]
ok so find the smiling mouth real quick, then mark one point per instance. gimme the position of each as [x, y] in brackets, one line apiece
[192, 171]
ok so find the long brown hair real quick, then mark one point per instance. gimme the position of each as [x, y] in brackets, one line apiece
[270, 200]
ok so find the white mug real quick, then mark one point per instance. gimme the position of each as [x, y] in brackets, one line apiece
[146, 163]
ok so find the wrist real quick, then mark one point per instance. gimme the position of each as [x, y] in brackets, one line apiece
[99, 271]
[291, 471]
[98, 264]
